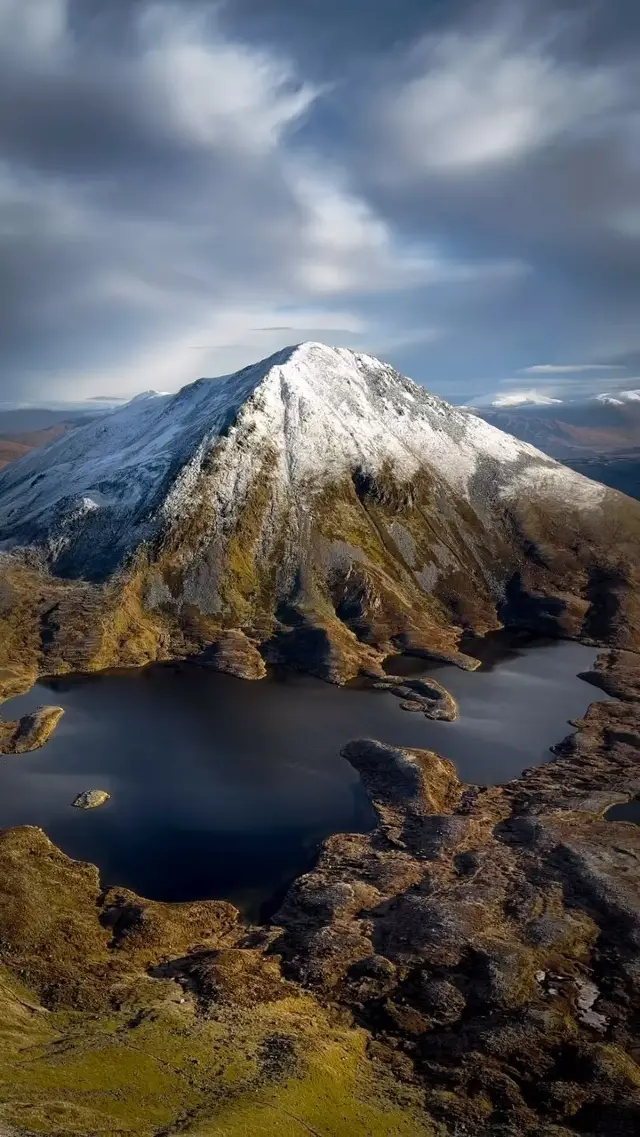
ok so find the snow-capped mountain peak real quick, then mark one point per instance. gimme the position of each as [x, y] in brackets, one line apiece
[316, 509]
[304, 420]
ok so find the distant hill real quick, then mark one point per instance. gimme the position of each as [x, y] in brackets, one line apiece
[30, 428]
[14, 446]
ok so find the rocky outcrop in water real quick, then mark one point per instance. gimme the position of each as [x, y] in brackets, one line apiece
[30, 732]
[426, 695]
[91, 799]
[232, 652]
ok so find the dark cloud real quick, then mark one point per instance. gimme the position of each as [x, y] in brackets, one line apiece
[455, 185]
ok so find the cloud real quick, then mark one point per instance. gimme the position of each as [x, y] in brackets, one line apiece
[35, 29]
[485, 98]
[532, 396]
[221, 343]
[233, 177]
[211, 91]
[514, 136]
[568, 368]
[168, 193]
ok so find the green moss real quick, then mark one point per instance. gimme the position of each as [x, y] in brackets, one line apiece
[134, 1074]
[119, 1052]
[340, 1094]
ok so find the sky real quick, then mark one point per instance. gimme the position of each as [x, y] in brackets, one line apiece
[452, 185]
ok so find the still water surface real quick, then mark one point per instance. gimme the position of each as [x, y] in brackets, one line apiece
[225, 788]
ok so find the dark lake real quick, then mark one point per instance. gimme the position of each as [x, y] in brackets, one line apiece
[223, 788]
[626, 811]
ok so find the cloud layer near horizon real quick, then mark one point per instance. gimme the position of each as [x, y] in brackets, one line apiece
[188, 186]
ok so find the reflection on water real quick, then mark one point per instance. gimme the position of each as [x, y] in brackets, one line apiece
[225, 788]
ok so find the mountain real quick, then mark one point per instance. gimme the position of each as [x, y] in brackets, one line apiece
[316, 509]
[610, 400]
[468, 964]
[599, 438]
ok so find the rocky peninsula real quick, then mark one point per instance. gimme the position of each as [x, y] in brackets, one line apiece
[29, 732]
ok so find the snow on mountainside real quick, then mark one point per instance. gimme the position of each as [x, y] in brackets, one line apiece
[322, 411]
[619, 398]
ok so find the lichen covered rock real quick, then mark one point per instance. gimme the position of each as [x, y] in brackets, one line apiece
[91, 799]
[31, 732]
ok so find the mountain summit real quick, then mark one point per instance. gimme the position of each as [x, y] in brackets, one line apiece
[319, 509]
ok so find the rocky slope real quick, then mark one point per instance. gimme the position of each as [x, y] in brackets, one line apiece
[316, 509]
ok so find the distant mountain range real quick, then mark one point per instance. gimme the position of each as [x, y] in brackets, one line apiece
[533, 397]
[524, 398]
[571, 429]
[599, 437]
[619, 398]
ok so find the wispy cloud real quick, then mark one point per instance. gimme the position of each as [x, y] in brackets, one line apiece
[485, 95]
[186, 185]
[568, 368]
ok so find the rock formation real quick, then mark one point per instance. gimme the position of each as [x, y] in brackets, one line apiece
[30, 732]
[91, 799]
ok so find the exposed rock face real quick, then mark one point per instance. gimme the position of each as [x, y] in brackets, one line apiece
[59, 926]
[119, 1015]
[234, 653]
[317, 510]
